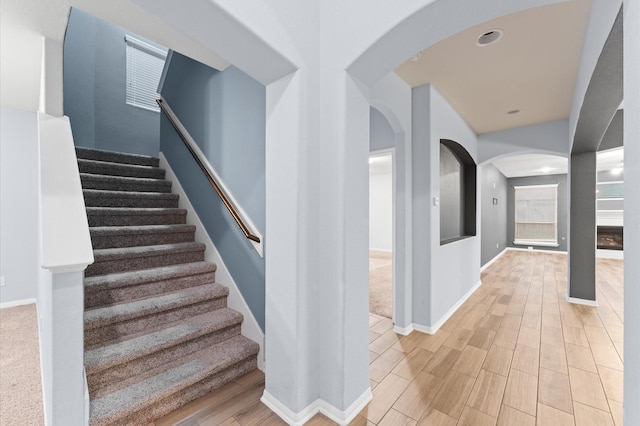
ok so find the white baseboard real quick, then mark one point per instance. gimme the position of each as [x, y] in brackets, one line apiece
[578, 301]
[486, 265]
[433, 328]
[403, 330]
[341, 417]
[17, 303]
[538, 250]
[610, 254]
[250, 327]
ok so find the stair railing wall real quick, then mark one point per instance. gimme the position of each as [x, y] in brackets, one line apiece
[239, 215]
[66, 251]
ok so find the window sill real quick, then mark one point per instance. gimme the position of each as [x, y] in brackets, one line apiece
[534, 243]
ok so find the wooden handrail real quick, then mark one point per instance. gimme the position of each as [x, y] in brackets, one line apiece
[210, 178]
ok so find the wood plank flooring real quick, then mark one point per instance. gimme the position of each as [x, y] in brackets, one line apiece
[515, 353]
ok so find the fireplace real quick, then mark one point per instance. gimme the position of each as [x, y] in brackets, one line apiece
[610, 237]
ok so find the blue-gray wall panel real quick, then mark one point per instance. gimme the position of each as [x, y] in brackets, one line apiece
[94, 89]
[494, 216]
[225, 113]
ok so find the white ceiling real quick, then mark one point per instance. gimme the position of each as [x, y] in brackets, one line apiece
[540, 164]
[532, 68]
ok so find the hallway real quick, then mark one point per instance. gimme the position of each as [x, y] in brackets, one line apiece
[515, 353]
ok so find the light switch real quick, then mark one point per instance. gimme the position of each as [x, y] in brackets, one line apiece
[436, 201]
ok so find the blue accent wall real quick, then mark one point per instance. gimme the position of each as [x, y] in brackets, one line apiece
[225, 112]
[94, 89]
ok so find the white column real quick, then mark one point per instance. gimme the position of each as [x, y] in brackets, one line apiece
[51, 86]
[317, 252]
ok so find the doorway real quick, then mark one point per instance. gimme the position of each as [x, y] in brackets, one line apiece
[381, 241]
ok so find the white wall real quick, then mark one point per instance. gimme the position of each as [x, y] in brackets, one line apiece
[442, 275]
[20, 59]
[381, 211]
[19, 205]
[548, 138]
[632, 204]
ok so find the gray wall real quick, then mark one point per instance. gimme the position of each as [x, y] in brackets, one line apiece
[493, 184]
[225, 113]
[19, 204]
[561, 180]
[381, 135]
[94, 90]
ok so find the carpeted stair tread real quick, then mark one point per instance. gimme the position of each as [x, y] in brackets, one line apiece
[122, 287]
[120, 183]
[116, 157]
[126, 216]
[169, 379]
[106, 198]
[104, 237]
[124, 279]
[122, 259]
[119, 169]
[125, 351]
[100, 317]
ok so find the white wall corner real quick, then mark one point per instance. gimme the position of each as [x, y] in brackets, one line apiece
[344, 417]
[405, 331]
[290, 417]
[341, 417]
[250, 327]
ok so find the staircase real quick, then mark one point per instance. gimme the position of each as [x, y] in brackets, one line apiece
[158, 333]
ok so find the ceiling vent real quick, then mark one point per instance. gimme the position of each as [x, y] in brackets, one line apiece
[489, 37]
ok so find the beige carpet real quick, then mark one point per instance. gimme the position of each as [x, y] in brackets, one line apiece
[20, 382]
[380, 271]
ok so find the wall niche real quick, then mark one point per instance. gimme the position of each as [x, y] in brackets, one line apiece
[457, 192]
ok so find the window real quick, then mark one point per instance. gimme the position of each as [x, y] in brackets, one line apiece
[144, 68]
[536, 221]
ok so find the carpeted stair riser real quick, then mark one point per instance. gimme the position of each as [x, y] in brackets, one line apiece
[129, 236]
[166, 405]
[119, 169]
[107, 263]
[108, 333]
[164, 336]
[108, 289]
[116, 157]
[112, 216]
[104, 378]
[117, 183]
[99, 198]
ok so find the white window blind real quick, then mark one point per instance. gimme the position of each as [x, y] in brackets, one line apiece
[144, 68]
[536, 215]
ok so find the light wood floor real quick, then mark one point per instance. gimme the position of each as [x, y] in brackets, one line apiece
[516, 353]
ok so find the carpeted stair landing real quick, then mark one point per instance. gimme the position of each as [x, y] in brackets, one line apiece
[158, 333]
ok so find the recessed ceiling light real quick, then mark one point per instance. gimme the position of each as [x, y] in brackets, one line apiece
[489, 37]
[415, 57]
[546, 169]
[617, 170]
[513, 111]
